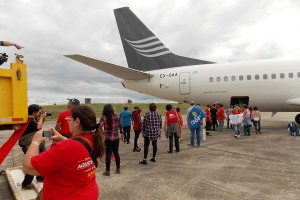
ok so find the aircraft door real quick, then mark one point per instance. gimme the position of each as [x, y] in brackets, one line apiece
[184, 83]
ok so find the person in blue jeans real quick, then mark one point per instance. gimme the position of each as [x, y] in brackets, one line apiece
[126, 119]
[195, 118]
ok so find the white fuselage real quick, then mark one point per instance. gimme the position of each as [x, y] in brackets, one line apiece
[267, 84]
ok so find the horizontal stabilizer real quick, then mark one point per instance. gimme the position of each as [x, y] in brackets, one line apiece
[115, 70]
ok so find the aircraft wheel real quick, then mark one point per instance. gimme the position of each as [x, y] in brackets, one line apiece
[297, 119]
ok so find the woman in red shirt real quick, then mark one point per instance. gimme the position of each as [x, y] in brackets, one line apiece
[67, 166]
[171, 127]
[136, 124]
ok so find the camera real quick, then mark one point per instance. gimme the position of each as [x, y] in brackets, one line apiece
[3, 58]
[47, 113]
[47, 134]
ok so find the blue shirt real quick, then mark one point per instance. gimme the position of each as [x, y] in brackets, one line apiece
[125, 116]
[195, 117]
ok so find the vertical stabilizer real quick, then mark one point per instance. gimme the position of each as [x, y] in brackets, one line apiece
[143, 50]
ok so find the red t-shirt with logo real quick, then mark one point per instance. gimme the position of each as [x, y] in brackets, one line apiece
[208, 117]
[68, 170]
[221, 112]
[64, 119]
[171, 117]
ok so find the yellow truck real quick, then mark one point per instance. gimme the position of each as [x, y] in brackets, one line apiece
[13, 103]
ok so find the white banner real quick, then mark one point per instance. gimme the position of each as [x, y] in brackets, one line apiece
[236, 119]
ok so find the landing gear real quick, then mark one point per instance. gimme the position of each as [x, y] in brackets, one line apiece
[297, 119]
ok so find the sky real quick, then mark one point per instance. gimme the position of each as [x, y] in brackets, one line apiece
[214, 30]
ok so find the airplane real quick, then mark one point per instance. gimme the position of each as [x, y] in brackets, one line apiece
[271, 85]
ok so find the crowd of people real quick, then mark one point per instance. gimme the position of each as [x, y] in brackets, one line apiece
[80, 141]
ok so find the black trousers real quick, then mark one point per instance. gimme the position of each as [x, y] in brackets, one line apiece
[214, 123]
[29, 178]
[176, 138]
[146, 147]
[114, 145]
[136, 137]
[208, 126]
[126, 130]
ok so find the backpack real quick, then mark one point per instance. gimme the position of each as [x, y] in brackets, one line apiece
[292, 129]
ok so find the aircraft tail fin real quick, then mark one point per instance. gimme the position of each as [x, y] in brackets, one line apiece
[143, 50]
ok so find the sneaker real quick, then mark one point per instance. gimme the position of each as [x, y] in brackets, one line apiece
[259, 132]
[136, 150]
[118, 171]
[235, 136]
[152, 160]
[27, 187]
[143, 162]
[170, 151]
[106, 173]
[238, 135]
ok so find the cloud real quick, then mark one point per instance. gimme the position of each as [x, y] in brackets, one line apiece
[234, 30]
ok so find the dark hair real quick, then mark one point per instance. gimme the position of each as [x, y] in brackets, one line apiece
[152, 107]
[125, 107]
[177, 109]
[108, 112]
[255, 108]
[33, 108]
[88, 122]
[221, 105]
[169, 107]
[245, 106]
[136, 107]
[250, 108]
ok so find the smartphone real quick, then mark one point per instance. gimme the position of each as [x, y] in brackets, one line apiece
[47, 134]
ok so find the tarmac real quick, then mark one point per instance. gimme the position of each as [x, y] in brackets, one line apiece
[261, 166]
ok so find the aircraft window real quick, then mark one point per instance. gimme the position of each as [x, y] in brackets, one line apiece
[225, 78]
[291, 75]
[281, 75]
[298, 74]
[256, 76]
[218, 79]
[265, 76]
[241, 77]
[248, 77]
[273, 76]
[211, 79]
[233, 78]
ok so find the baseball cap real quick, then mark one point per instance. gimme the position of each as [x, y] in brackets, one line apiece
[74, 101]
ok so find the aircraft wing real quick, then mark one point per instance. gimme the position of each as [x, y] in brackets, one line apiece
[115, 70]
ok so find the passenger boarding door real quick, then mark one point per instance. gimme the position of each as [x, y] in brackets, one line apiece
[184, 83]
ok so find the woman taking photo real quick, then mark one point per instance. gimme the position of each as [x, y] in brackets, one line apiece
[67, 166]
[111, 123]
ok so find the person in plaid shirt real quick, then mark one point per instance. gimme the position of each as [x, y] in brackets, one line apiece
[151, 128]
[112, 126]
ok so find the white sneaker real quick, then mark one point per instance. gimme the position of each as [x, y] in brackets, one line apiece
[235, 136]
[238, 136]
